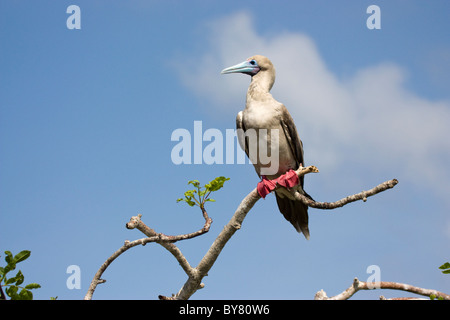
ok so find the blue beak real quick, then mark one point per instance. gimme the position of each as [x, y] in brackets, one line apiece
[244, 67]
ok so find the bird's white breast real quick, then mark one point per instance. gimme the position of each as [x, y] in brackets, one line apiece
[267, 115]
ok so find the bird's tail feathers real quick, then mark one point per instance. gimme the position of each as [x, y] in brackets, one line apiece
[296, 213]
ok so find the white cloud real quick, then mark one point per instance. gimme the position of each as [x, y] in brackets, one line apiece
[369, 118]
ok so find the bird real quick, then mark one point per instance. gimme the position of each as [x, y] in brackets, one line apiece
[262, 111]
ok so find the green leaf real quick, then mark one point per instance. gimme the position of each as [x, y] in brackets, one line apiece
[10, 280]
[19, 278]
[12, 292]
[190, 193]
[217, 183]
[9, 257]
[33, 286]
[445, 267]
[195, 183]
[432, 296]
[25, 295]
[22, 255]
[8, 268]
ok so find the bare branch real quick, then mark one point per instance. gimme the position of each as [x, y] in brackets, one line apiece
[361, 285]
[152, 236]
[97, 277]
[195, 275]
[340, 203]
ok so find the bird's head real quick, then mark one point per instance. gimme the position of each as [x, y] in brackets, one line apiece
[251, 66]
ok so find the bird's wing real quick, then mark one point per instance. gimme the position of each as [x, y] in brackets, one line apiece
[241, 132]
[290, 131]
[294, 211]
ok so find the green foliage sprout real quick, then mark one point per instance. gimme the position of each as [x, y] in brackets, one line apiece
[12, 285]
[200, 195]
[445, 268]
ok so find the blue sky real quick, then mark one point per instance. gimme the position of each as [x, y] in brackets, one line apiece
[86, 118]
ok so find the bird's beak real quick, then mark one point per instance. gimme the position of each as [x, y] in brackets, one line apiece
[244, 67]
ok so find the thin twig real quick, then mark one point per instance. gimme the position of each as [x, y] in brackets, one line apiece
[340, 203]
[152, 236]
[361, 285]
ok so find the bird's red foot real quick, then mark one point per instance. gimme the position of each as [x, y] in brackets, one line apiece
[287, 180]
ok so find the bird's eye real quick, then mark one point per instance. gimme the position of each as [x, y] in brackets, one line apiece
[253, 62]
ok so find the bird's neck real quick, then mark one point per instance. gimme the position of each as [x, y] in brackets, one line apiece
[260, 86]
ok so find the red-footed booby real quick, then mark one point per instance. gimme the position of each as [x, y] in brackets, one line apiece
[262, 111]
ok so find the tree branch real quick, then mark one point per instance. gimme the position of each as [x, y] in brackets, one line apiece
[152, 236]
[195, 275]
[193, 283]
[361, 285]
[340, 203]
